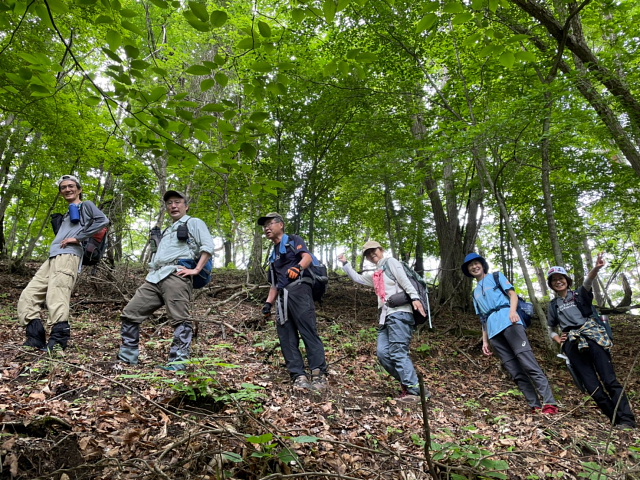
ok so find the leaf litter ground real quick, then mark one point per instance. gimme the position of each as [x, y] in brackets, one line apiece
[235, 415]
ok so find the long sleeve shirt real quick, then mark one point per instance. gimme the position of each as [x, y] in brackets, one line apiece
[400, 283]
[92, 220]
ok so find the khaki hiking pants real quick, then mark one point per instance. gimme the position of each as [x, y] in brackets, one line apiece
[52, 284]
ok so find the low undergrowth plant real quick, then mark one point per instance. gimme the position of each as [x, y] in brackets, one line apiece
[200, 382]
[468, 450]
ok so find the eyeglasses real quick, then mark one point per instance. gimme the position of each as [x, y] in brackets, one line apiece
[173, 202]
[270, 223]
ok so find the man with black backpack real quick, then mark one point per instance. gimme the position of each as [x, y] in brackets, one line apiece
[183, 252]
[292, 293]
[54, 281]
[586, 343]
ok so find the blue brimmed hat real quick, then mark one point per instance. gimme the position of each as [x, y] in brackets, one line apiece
[474, 257]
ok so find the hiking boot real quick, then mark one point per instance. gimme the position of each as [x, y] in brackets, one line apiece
[129, 355]
[181, 346]
[59, 338]
[409, 398]
[302, 382]
[318, 380]
[624, 426]
[536, 409]
[36, 336]
[550, 409]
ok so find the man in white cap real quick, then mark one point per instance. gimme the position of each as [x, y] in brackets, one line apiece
[54, 281]
[169, 283]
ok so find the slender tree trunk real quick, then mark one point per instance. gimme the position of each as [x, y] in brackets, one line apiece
[484, 173]
[419, 263]
[542, 281]
[389, 215]
[589, 258]
[255, 269]
[3, 245]
[578, 268]
[228, 259]
[626, 288]
[310, 240]
[549, 211]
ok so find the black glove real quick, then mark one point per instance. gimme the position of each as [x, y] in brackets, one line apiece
[266, 309]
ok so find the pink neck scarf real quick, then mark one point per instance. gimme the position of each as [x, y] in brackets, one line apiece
[378, 285]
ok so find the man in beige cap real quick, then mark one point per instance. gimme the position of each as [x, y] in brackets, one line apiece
[296, 313]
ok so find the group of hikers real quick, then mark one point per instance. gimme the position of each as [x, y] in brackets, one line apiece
[181, 252]
[584, 341]
[184, 248]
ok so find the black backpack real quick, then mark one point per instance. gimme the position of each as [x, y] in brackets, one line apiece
[420, 285]
[319, 276]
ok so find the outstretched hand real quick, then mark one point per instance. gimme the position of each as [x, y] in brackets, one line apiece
[600, 261]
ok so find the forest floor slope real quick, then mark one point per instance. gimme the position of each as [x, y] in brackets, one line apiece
[235, 415]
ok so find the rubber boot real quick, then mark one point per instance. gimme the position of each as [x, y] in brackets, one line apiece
[36, 336]
[129, 350]
[60, 335]
[129, 355]
[180, 347]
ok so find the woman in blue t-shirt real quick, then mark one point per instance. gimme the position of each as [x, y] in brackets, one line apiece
[503, 331]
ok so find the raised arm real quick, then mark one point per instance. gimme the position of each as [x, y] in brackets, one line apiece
[353, 275]
[593, 274]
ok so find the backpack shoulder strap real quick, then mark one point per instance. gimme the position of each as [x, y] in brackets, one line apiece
[284, 243]
[496, 280]
[314, 260]
[82, 222]
[387, 270]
